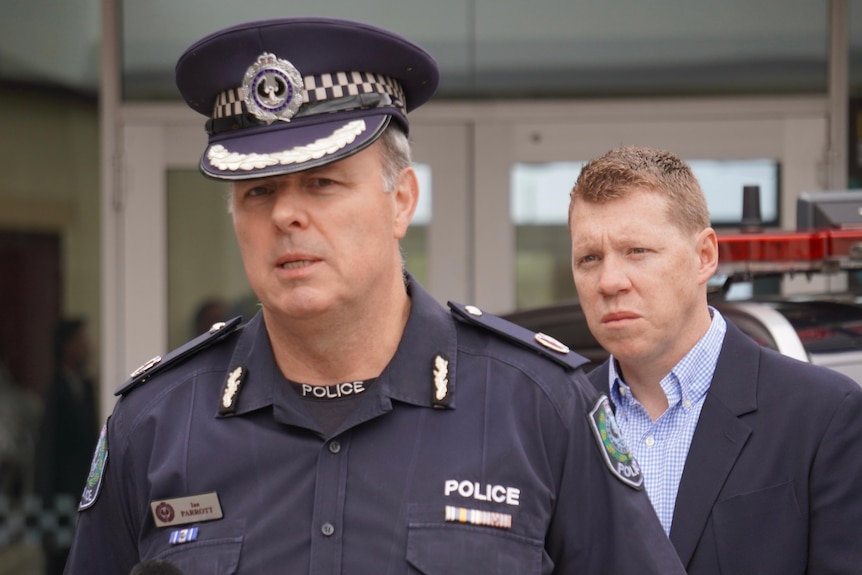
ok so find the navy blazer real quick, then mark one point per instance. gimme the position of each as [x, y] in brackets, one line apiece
[773, 479]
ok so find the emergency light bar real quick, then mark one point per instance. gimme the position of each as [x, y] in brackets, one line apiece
[819, 251]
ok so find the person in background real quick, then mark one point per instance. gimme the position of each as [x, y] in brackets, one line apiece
[353, 425]
[69, 428]
[210, 312]
[749, 457]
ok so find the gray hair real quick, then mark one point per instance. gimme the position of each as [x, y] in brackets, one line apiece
[395, 155]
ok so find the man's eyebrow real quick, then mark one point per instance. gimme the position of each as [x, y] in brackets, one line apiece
[251, 181]
[315, 170]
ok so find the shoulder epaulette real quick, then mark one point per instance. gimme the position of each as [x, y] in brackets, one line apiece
[157, 364]
[539, 342]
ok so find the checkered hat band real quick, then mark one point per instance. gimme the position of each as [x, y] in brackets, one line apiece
[319, 88]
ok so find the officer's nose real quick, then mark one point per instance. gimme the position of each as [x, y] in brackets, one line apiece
[289, 211]
[613, 276]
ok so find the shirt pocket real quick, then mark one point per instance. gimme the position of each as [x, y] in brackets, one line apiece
[441, 547]
[215, 551]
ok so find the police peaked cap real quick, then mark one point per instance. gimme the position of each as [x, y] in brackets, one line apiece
[289, 94]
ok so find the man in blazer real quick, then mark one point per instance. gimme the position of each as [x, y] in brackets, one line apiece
[752, 460]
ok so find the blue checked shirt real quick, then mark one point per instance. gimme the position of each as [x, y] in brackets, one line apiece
[661, 446]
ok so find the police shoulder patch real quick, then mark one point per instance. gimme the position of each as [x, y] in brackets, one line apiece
[97, 471]
[216, 333]
[612, 445]
[543, 344]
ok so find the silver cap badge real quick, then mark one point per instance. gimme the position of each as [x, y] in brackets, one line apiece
[272, 89]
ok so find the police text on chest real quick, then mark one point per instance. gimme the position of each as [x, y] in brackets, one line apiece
[486, 492]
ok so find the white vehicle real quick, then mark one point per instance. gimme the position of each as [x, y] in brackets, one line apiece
[820, 331]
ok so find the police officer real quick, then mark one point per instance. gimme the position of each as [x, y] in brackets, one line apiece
[353, 425]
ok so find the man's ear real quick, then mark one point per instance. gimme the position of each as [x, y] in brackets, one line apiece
[406, 196]
[707, 253]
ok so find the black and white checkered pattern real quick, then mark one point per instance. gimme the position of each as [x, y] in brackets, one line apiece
[319, 88]
[33, 520]
[229, 103]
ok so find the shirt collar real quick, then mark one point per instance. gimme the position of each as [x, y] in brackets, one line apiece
[429, 334]
[689, 380]
[409, 377]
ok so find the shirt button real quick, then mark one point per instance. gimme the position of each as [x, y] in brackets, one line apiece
[327, 529]
[334, 447]
[687, 404]
[650, 441]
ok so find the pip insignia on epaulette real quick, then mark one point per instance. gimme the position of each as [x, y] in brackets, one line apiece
[539, 342]
[217, 332]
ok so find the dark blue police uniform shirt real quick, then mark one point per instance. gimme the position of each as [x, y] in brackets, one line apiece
[507, 478]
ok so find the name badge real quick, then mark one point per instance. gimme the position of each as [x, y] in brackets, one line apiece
[181, 510]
